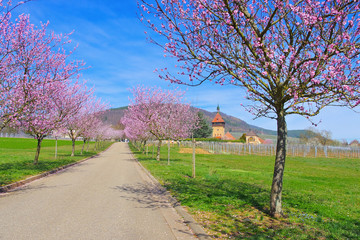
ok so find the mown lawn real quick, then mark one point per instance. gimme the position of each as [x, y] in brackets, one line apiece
[17, 157]
[230, 194]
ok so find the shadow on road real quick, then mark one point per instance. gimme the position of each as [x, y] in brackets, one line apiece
[147, 195]
[28, 188]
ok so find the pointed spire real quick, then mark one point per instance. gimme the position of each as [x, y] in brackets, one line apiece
[218, 108]
[218, 119]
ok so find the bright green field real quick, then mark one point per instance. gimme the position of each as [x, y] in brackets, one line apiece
[17, 157]
[230, 195]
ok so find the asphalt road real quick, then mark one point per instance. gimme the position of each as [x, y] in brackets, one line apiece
[107, 197]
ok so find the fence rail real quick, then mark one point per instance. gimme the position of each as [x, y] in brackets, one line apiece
[270, 149]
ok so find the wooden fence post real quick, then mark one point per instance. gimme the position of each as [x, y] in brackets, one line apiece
[193, 160]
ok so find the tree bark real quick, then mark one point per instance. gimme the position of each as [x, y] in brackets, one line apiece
[158, 151]
[277, 183]
[73, 147]
[36, 159]
[143, 146]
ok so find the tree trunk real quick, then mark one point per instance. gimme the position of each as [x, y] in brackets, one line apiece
[193, 158]
[73, 147]
[276, 188]
[36, 159]
[158, 151]
[143, 147]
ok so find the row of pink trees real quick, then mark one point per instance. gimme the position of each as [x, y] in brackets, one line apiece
[291, 57]
[158, 114]
[67, 109]
[39, 88]
[87, 124]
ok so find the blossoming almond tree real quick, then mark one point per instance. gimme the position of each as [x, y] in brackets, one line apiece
[142, 119]
[6, 63]
[89, 125]
[135, 129]
[34, 58]
[181, 120]
[160, 113]
[292, 57]
[56, 103]
[90, 107]
[105, 132]
[94, 128]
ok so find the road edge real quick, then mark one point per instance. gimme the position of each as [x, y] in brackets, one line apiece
[12, 186]
[188, 219]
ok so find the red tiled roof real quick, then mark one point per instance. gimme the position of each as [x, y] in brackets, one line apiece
[218, 119]
[228, 136]
[251, 133]
[355, 142]
[268, 141]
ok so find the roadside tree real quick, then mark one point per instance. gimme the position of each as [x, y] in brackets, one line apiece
[158, 113]
[89, 125]
[89, 107]
[291, 57]
[29, 58]
[52, 110]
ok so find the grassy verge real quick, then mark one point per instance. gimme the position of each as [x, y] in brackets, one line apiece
[17, 156]
[230, 195]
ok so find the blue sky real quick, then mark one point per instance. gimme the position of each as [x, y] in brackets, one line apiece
[112, 42]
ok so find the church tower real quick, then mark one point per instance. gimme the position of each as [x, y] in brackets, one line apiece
[218, 125]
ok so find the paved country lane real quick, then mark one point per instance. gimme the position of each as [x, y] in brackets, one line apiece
[107, 197]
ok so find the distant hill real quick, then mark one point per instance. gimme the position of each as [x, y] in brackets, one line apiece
[234, 125]
[112, 116]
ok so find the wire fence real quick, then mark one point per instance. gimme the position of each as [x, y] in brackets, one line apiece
[295, 150]
[13, 135]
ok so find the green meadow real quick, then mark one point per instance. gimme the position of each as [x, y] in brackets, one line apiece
[230, 195]
[17, 157]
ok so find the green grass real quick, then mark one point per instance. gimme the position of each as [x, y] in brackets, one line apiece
[230, 195]
[17, 157]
